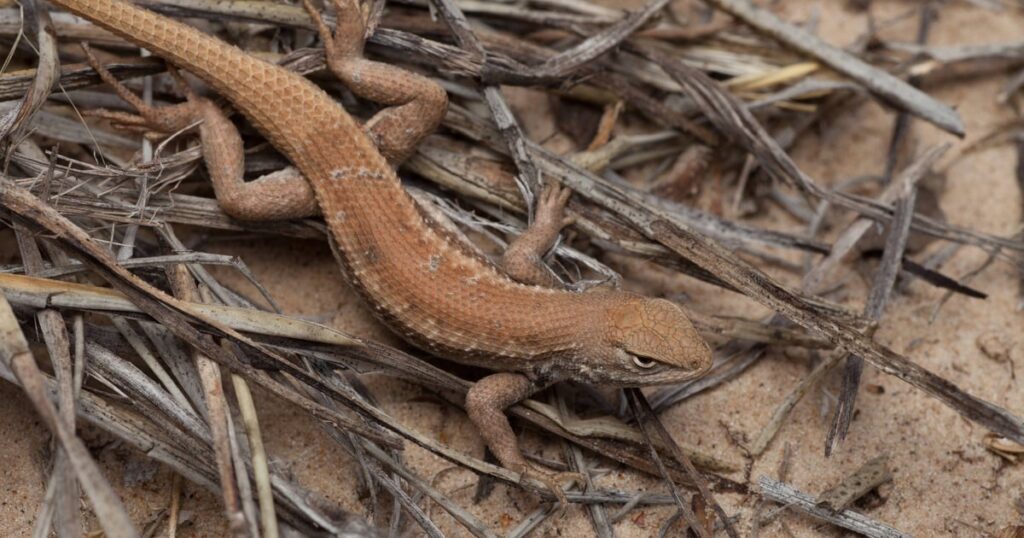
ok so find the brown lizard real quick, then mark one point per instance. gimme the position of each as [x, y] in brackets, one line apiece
[426, 285]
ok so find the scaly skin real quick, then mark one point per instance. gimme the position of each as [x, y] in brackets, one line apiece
[425, 285]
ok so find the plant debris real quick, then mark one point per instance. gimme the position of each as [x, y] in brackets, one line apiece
[677, 122]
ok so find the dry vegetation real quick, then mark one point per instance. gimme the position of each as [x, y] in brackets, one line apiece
[125, 321]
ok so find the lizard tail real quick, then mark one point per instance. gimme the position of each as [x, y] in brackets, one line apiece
[263, 92]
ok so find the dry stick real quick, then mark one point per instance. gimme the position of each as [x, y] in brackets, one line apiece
[967, 278]
[528, 180]
[41, 293]
[881, 287]
[888, 269]
[175, 315]
[44, 517]
[645, 417]
[245, 493]
[257, 458]
[175, 357]
[172, 517]
[58, 346]
[391, 461]
[561, 66]
[602, 75]
[65, 492]
[783, 473]
[852, 234]
[598, 513]
[135, 340]
[247, 408]
[63, 129]
[77, 373]
[217, 411]
[42, 80]
[683, 506]
[131, 231]
[141, 388]
[781, 492]
[408, 503]
[881, 83]
[374, 474]
[202, 432]
[560, 14]
[16, 357]
[555, 69]
[866, 478]
[933, 57]
[246, 404]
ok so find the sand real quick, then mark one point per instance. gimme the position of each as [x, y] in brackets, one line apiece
[945, 482]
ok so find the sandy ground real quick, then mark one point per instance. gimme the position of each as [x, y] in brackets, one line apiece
[945, 482]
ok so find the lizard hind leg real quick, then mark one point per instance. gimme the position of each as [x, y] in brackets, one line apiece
[166, 119]
[415, 104]
[283, 194]
[485, 404]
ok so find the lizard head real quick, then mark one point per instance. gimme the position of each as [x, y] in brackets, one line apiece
[650, 342]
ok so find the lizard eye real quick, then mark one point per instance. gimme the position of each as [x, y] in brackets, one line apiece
[643, 362]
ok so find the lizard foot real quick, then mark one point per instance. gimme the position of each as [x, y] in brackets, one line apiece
[347, 40]
[553, 481]
[551, 206]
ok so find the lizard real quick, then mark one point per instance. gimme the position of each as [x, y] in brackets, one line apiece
[421, 281]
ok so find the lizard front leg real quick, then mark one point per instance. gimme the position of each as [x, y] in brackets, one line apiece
[524, 258]
[284, 194]
[486, 402]
[416, 104]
